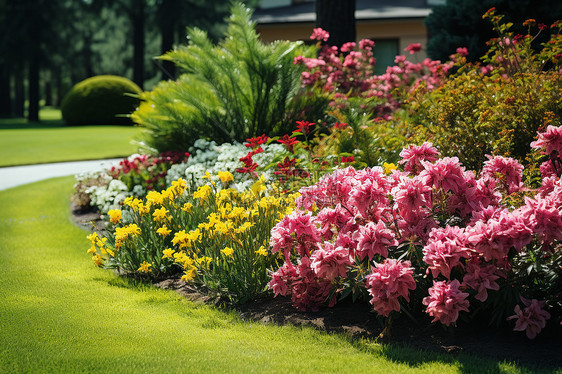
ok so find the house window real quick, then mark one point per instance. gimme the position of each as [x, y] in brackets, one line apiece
[385, 51]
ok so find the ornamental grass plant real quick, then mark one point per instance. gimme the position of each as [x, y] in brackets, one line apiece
[229, 92]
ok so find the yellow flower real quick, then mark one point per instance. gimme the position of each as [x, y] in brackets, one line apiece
[115, 215]
[187, 207]
[189, 275]
[258, 187]
[225, 176]
[163, 231]
[179, 186]
[92, 249]
[145, 267]
[160, 214]
[244, 227]
[202, 193]
[206, 176]
[93, 237]
[168, 253]
[155, 197]
[262, 251]
[228, 251]
[128, 201]
[97, 259]
[388, 168]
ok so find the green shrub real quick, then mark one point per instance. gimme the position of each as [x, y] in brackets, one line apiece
[232, 91]
[474, 115]
[496, 108]
[100, 100]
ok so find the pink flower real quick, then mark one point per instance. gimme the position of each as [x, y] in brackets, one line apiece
[307, 291]
[319, 34]
[389, 281]
[373, 239]
[366, 44]
[532, 319]
[413, 48]
[329, 261]
[481, 278]
[505, 170]
[445, 301]
[413, 155]
[462, 51]
[545, 218]
[550, 140]
[445, 173]
[282, 278]
[444, 249]
[411, 195]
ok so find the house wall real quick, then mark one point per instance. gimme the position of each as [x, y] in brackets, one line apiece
[406, 31]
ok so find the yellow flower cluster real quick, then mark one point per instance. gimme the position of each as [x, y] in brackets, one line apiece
[122, 233]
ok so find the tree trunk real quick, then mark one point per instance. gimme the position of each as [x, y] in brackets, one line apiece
[19, 91]
[33, 109]
[168, 16]
[48, 89]
[5, 92]
[338, 18]
[138, 43]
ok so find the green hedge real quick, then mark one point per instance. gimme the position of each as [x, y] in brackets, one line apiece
[101, 100]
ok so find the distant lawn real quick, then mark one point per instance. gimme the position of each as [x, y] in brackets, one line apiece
[61, 314]
[50, 140]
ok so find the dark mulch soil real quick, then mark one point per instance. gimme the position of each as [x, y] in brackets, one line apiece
[358, 320]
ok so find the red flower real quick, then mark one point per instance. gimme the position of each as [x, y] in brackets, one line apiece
[257, 141]
[289, 142]
[304, 127]
[349, 159]
[340, 125]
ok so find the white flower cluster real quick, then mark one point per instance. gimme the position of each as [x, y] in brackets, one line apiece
[207, 156]
[109, 196]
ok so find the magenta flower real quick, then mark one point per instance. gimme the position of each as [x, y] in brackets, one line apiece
[319, 34]
[413, 155]
[481, 278]
[532, 319]
[506, 170]
[389, 281]
[444, 249]
[445, 301]
[329, 261]
[550, 140]
[373, 239]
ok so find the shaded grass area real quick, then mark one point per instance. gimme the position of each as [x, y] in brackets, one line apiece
[59, 313]
[50, 140]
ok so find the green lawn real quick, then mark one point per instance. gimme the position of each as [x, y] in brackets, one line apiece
[49, 140]
[59, 313]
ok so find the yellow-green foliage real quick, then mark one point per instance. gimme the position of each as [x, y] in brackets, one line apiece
[218, 237]
[473, 115]
[101, 100]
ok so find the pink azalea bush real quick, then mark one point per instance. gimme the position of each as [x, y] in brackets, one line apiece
[435, 229]
[348, 71]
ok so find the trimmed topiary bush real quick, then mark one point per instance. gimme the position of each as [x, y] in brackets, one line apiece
[101, 100]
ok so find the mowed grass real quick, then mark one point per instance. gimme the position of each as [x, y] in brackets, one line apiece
[50, 140]
[59, 313]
